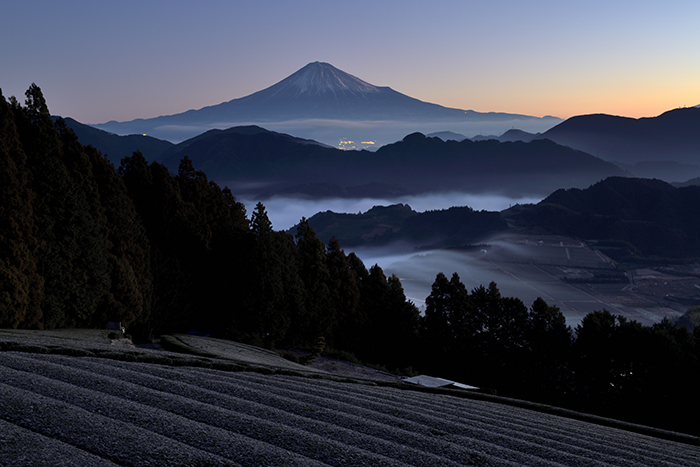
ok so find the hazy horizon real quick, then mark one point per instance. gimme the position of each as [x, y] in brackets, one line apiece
[141, 60]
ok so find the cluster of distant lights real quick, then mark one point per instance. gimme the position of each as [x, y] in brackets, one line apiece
[348, 145]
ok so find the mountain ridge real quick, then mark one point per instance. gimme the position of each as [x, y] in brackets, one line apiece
[671, 136]
[279, 162]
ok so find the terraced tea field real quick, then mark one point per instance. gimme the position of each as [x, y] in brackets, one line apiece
[94, 407]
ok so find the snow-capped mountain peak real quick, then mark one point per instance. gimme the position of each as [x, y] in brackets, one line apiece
[318, 78]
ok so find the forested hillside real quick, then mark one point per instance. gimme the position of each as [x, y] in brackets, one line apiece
[630, 217]
[83, 244]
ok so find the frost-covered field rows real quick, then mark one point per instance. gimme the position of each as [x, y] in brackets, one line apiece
[67, 410]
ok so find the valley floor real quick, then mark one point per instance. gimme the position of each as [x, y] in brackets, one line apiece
[565, 272]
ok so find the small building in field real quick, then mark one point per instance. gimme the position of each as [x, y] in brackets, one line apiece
[433, 382]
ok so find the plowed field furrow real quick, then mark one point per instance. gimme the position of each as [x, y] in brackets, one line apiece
[428, 439]
[22, 448]
[96, 411]
[215, 440]
[599, 448]
[531, 427]
[273, 433]
[120, 442]
[259, 411]
[349, 415]
[470, 424]
[334, 410]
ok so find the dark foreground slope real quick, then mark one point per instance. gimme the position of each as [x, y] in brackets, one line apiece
[69, 410]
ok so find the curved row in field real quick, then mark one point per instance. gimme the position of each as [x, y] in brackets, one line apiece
[96, 411]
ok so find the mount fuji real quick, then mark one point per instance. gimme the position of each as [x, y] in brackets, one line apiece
[324, 103]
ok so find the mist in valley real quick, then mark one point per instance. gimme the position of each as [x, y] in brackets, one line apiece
[285, 212]
[523, 266]
[417, 268]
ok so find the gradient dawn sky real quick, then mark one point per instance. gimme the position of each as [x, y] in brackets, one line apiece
[119, 60]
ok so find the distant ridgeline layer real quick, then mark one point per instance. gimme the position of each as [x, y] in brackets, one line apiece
[631, 218]
[671, 136]
[453, 227]
[628, 215]
[414, 165]
[288, 165]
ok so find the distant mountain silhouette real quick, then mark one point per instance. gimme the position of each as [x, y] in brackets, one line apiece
[517, 135]
[317, 91]
[672, 136]
[245, 157]
[381, 225]
[668, 171]
[509, 136]
[627, 215]
[623, 217]
[691, 182]
[447, 136]
[117, 147]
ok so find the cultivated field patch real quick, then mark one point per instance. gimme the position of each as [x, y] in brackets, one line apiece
[101, 410]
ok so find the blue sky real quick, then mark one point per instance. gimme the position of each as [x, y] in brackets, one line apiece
[106, 60]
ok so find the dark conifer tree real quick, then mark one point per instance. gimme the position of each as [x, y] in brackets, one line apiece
[449, 327]
[130, 296]
[72, 258]
[402, 326]
[318, 317]
[21, 286]
[597, 366]
[437, 334]
[345, 294]
[158, 202]
[351, 330]
[374, 303]
[392, 323]
[268, 315]
[548, 340]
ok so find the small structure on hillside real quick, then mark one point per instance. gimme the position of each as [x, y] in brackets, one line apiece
[116, 326]
[433, 382]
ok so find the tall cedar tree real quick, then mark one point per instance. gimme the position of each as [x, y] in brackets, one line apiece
[157, 200]
[345, 294]
[21, 286]
[73, 211]
[392, 322]
[198, 235]
[318, 316]
[72, 258]
[131, 285]
[267, 317]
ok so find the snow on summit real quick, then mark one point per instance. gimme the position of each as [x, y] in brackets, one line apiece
[318, 78]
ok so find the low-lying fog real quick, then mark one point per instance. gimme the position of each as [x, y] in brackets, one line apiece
[284, 212]
[417, 270]
[522, 266]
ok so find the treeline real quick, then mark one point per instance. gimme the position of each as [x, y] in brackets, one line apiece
[610, 366]
[73, 252]
[82, 244]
